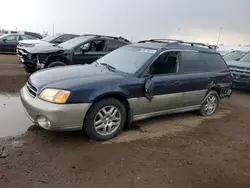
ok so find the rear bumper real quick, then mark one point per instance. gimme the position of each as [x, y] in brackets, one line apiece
[58, 116]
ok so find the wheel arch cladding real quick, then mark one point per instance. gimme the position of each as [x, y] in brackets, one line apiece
[211, 89]
[118, 96]
[213, 86]
[217, 89]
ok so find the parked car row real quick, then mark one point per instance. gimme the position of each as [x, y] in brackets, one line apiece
[52, 39]
[80, 50]
[9, 42]
[124, 83]
[12, 42]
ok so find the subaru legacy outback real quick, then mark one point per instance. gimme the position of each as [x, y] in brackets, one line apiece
[134, 82]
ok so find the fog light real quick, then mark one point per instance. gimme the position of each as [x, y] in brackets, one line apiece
[43, 122]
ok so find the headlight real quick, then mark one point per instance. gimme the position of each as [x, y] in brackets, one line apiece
[55, 95]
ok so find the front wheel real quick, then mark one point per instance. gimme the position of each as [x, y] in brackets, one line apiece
[56, 64]
[210, 104]
[105, 119]
[29, 70]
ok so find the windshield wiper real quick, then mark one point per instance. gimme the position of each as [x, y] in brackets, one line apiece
[111, 68]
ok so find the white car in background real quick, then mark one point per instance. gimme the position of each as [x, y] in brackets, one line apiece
[49, 40]
[225, 49]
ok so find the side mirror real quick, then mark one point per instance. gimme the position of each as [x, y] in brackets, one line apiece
[84, 49]
[4, 40]
[77, 53]
[237, 59]
[148, 89]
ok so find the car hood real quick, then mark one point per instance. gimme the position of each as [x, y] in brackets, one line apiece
[44, 49]
[70, 77]
[239, 64]
[32, 42]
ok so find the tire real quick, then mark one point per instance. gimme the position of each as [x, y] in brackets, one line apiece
[56, 64]
[211, 103]
[111, 125]
[29, 70]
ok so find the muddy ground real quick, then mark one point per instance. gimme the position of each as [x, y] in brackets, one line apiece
[182, 151]
[12, 74]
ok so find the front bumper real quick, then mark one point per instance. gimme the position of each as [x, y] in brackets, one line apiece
[30, 66]
[241, 81]
[60, 116]
[241, 85]
[21, 53]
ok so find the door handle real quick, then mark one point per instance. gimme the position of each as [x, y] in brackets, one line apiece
[177, 83]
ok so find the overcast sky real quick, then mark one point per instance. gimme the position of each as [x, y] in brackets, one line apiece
[197, 20]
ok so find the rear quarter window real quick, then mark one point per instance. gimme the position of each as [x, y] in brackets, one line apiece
[214, 61]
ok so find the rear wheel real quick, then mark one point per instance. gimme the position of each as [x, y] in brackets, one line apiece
[56, 64]
[210, 104]
[105, 119]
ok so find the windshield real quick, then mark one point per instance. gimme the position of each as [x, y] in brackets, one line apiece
[246, 58]
[127, 59]
[50, 38]
[233, 56]
[74, 42]
[3, 36]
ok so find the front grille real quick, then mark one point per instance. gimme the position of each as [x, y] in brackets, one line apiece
[240, 70]
[31, 89]
[25, 45]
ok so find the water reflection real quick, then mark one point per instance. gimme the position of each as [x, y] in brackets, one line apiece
[13, 120]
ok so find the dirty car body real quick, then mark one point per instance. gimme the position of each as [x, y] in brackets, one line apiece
[132, 83]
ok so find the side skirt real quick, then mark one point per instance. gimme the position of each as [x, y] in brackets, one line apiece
[160, 113]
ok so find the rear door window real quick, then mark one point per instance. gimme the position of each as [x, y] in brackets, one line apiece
[11, 38]
[201, 62]
[191, 62]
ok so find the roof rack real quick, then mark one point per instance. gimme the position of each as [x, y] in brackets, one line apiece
[160, 40]
[117, 38]
[197, 44]
[178, 42]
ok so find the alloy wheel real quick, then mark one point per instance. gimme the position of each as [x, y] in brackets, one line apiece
[210, 104]
[107, 120]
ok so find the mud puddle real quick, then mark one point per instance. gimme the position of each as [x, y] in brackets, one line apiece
[165, 125]
[13, 120]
